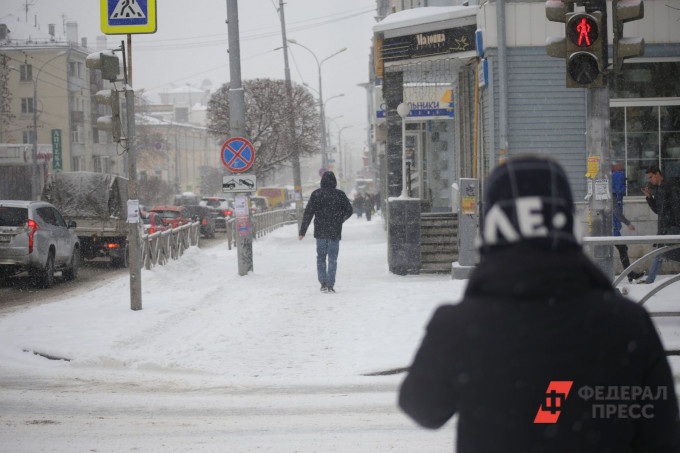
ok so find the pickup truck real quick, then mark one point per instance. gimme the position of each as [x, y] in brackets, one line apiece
[97, 202]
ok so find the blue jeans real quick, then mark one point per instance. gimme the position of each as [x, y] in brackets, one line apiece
[655, 267]
[330, 248]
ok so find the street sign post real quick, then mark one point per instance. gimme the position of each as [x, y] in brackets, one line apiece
[119, 17]
[238, 154]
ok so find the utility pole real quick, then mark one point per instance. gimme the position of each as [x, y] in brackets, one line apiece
[134, 239]
[237, 123]
[600, 170]
[297, 178]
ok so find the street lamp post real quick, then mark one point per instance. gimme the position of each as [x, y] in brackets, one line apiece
[322, 114]
[34, 155]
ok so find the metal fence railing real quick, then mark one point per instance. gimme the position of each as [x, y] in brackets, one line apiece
[266, 222]
[158, 248]
[670, 242]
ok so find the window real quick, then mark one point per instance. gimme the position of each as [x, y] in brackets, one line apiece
[182, 114]
[75, 164]
[13, 217]
[47, 214]
[58, 218]
[102, 164]
[76, 69]
[642, 135]
[26, 72]
[26, 105]
[645, 121]
[27, 136]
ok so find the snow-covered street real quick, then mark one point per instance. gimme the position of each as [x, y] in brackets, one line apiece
[218, 362]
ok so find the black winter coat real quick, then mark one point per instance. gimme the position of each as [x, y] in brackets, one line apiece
[329, 207]
[665, 202]
[530, 317]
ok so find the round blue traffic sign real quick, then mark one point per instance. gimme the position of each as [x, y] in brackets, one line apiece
[238, 154]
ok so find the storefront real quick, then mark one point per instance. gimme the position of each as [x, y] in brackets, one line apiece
[423, 61]
[429, 134]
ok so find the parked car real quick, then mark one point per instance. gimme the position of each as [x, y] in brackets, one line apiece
[259, 204]
[222, 208]
[35, 238]
[203, 215]
[152, 222]
[172, 216]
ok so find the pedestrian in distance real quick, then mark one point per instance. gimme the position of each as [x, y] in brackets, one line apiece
[542, 347]
[618, 192]
[358, 204]
[330, 208]
[664, 199]
[368, 206]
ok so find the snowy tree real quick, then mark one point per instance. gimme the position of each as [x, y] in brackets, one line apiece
[267, 122]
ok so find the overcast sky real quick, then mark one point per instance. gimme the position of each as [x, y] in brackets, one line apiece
[191, 44]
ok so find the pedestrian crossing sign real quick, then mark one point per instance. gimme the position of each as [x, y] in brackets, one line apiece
[119, 17]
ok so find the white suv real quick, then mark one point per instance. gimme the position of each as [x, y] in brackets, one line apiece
[34, 237]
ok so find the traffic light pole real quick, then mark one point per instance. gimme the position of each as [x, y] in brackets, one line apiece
[134, 239]
[600, 210]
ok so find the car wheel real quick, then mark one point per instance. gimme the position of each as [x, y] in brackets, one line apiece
[71, 273]
[45, 277]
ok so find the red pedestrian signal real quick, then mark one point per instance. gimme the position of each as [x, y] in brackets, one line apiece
[583, 31]
[585, 50]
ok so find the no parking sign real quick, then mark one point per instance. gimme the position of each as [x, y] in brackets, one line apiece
[238, 154]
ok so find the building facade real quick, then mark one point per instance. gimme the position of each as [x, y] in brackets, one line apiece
[508, 97]
[48, 97]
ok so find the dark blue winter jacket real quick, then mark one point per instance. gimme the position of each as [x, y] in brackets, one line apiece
[329, 207]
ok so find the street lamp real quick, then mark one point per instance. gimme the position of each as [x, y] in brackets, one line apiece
[324, 155]
[403, 110]
[34, 154]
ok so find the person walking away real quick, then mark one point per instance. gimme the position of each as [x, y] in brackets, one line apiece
[664, 201]
[618, 192]
[541, 347]
[330, 208]
[368, 206]
[358, 204]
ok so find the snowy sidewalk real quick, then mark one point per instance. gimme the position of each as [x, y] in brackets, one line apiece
[202, 321]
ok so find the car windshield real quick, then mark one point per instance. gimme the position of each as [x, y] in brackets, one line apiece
[13, 217]
[213, 203]
[195, 211]
[168, 214]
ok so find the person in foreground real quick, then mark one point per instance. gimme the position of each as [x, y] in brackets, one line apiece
[542, 354]
[329, 207]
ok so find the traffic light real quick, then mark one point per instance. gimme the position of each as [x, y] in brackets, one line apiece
[108, 63]
[110, 123]
[556, 11]
[586, 49]
[626, 11]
